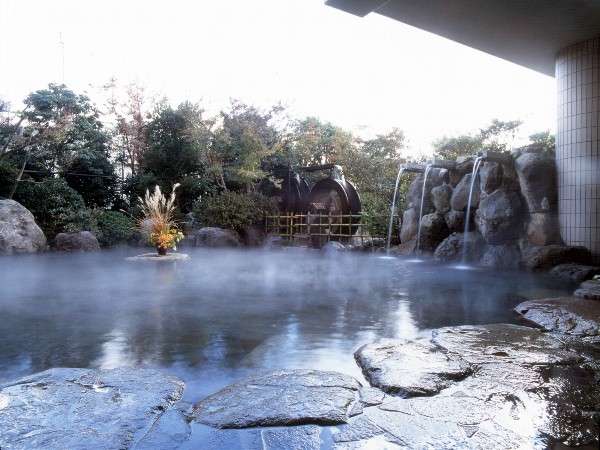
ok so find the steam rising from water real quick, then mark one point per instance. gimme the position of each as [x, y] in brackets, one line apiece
[227, 314]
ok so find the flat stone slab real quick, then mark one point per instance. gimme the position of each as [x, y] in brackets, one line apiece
[84, 408]
[569, 315]
[156, 258]
[589, 290]
[285, 397]
[513, 399]
[410, 368]
[503, 343]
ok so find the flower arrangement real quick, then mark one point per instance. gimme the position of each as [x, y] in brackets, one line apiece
[157, 222]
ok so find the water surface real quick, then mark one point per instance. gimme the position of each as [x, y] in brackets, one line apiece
[227, 314]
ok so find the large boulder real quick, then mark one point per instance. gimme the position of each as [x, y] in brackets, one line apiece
[456, 221]
[451, 248]
[84, 408]
[410, 223]
[433, 231]
[214, 237]
[537, 177]
[284, 397]
[498, 217]
[464, 165]
[440, 196]
[82, 241]
[409, 368]
[505, 256]
[548, 256]
[543, 229]
[575, 273]
[18, 231]
[490, 176]
[460, 195]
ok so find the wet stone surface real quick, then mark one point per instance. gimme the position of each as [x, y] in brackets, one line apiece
[410, 368]
[286, 397]
[568, 315]
[85, 408]
[589, 290]
[528, 390]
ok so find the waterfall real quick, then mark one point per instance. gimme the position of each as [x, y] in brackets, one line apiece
[392, 211]
[427, 169]
[476, 165]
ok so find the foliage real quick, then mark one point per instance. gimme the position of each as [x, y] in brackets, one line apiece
[8, 176]
[56, 207]
[545, 141]
[114, 228]
[157, 221]
[92, 175]
[234, 210]
[495, 137]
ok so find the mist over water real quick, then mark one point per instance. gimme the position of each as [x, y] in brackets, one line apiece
[228, 314]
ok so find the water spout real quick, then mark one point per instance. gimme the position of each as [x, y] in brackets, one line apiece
[476, 165]
[427, 170]
[393, 211]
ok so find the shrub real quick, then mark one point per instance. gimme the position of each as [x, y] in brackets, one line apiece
[56, 207]
[234, 210]
[114, 228]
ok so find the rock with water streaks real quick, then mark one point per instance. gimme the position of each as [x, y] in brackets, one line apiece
[84, 408]
[285, 397]
[409, 368]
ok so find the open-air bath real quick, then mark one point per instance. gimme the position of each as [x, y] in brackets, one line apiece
[299, 225]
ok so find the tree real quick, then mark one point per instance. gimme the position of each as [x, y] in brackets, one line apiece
[60, 130]
[495, 137]
[246, 138]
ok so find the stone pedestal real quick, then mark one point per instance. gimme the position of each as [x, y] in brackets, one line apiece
[578, 144]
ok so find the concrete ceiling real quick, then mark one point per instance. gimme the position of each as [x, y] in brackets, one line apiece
[526, 32]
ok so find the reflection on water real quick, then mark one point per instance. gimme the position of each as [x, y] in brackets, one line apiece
[226, 314]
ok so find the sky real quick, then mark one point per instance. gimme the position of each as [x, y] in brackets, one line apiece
[364, 74]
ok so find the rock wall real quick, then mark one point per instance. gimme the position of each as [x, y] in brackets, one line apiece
[514, 214]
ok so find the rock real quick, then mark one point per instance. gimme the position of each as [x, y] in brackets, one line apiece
[589, 289]
[253, 236]
[537, 178]
[410, 222]
[460, 195]
[490, 177]
[415, 191]
[564, 315]
[548, 256]
[409, 368]
[440, 196]
[451, 248]
[82, 241]
[456, 221]
[575, 273]
[433, 231]
[18, 231]
[84, 408]
[502, 343]
[285, 397]
[464, 166]
[405, 248]
[520, 392]
[215, 237]
[333, 247]
[169, 432]
[501, 256]
[498, 217]
[543, 229]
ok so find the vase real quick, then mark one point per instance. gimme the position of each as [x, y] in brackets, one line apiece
[162, 251]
